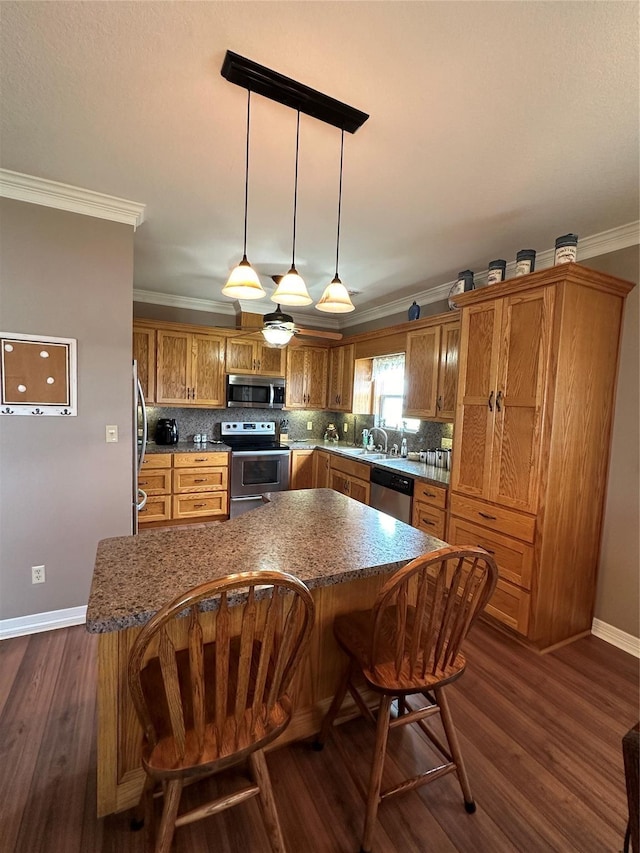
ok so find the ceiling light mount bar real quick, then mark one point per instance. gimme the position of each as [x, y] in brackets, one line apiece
[264, 81]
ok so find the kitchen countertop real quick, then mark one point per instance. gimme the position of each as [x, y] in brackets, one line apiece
[318, 535]
[187, 447]
[415, 469]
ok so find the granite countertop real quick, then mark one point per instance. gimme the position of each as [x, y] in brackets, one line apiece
[318, 535]
[415, 469]
[186, 447]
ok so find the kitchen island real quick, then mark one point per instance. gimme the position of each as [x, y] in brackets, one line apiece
[341, 549]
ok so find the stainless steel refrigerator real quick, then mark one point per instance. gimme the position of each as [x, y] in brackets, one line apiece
[139, 446]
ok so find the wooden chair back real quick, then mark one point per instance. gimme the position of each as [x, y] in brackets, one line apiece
[425, 610]
[225, 690]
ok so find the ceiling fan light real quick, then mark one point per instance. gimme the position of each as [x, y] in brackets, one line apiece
[243, 282]
[292, 290]
[276, 336]
[335, 299]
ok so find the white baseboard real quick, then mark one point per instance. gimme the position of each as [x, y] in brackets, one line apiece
[618, 638]
[37, 622]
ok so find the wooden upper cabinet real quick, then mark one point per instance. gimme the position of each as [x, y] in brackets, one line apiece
[190, 369]
[340, 386]
[502, 380]
[253, 356]
[448, 370]
[421, 372]
[431, 372]
[144, 352]
[307, 377]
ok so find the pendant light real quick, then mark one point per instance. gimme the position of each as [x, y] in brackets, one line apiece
[291, 289]
[335, 299]
[243, 283]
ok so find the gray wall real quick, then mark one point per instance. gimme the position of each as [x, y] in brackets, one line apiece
[62, 488]
[618, 598]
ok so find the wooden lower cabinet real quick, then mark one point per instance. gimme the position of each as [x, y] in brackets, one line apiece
[301, 469]
[429, 505]
[350, 478]
[321, 469]
[184, 487]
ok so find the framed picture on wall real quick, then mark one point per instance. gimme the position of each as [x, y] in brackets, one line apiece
[38, 375]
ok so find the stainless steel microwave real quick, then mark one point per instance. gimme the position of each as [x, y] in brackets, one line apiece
[255, 392]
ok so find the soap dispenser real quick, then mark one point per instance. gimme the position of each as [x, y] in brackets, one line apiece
[403, 448]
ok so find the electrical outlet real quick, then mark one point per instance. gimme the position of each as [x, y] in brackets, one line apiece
[37, 574]
[446, 443]
[111, 431]
[309, 424]
[346, 427]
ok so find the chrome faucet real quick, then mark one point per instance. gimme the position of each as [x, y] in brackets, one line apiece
[386, 439]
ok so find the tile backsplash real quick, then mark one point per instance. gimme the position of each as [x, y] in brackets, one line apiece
[294, 423]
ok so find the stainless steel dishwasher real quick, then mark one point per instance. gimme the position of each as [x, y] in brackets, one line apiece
[391, 493]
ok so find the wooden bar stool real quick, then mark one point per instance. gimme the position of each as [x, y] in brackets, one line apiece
[220, 700]
[409, 643]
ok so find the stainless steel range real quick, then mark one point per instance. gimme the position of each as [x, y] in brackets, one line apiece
[259, 463]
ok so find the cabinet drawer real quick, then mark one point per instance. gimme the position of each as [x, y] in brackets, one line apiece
[507, 521]
[155, 509]
[428, 494]
[157, 481]
[351, 467]
[429, 519]
[510, 605]
[200, 479]
[156, 460]
[194, 460]
[514, 558]
[193, 506]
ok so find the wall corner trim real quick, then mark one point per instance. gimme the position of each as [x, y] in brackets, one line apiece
[37, 622]
[21, 187]
[618, 638]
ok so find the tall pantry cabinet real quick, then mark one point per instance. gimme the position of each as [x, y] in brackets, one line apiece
[536, 393]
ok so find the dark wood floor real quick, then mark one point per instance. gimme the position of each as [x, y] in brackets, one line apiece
[541, 737]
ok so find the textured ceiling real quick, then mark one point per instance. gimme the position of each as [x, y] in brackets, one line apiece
[494, 126]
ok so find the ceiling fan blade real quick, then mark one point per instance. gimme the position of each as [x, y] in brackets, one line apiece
[317, 333]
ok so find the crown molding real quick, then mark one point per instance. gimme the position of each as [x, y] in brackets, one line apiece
[190, 303]
[34, 190]
[603, 243]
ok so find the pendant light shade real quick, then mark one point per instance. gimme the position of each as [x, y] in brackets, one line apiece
[291, 289]
[336, 299]
[243, 283]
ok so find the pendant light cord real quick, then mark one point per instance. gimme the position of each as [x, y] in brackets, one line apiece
[246, 176]
[339, 199]
[295, 194]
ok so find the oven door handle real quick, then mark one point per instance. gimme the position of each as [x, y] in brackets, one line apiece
[243, 453]
[247, 498]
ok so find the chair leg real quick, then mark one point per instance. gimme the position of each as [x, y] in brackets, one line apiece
[454, 746]
[272, 822]
[172, 793]
[335, 706]
[375, 780]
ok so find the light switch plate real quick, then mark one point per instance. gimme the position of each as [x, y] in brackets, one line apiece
[446, 443]
[111, 433]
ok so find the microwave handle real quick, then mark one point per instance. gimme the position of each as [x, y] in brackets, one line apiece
[272, 395]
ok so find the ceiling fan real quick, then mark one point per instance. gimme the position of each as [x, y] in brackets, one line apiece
[279, 329]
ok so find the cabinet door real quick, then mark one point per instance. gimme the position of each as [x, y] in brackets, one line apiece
[241, 355]
[421, 373]
[208, 370]
[321, 465]
[316, 363]
[339, 482]
[475, 409]
[520, 388]
[448, 370]
[271, 361]
[301, 469]
[296, 398]
[340, 385]
[173, 383]
[144, 352]
[359, 490]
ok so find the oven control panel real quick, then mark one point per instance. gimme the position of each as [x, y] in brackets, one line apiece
[248, 428]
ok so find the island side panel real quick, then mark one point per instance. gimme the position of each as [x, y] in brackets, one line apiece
[120, 776]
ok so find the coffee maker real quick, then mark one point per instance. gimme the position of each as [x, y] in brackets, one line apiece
[166, 431]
